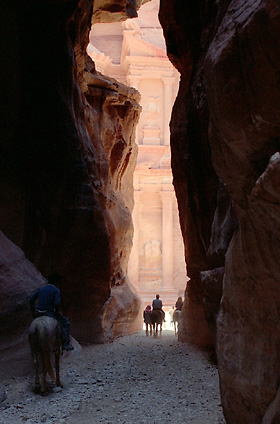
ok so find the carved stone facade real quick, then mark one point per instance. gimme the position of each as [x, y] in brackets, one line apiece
[133, 52]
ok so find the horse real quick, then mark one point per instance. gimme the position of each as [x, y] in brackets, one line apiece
[176, 319]
[156, 320]
[147, 321]
[45, 343]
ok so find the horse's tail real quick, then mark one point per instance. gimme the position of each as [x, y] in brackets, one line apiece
[46, 351]
[41, 348]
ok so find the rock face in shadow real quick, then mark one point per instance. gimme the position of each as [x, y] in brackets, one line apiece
[67, 157]
[18, 279]
[225, 135]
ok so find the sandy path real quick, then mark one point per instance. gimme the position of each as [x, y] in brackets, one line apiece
[135, 380]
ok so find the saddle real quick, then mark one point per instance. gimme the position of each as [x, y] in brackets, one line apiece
[160, 311]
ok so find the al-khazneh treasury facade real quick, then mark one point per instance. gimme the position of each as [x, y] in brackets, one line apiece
[133, 52]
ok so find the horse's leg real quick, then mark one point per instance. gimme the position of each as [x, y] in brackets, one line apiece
[49, 367]
[43, 374]
[36, 366]
[57, 369]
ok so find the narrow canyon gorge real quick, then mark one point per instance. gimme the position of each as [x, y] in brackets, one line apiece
[68, 154]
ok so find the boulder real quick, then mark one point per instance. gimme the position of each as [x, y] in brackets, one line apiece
[122, 312]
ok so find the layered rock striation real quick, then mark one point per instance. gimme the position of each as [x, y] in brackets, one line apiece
[225, 139]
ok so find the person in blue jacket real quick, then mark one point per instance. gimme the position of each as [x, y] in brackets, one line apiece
[46, 300]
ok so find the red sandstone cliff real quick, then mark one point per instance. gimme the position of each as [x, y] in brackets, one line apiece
[67, 158]
[225, 135]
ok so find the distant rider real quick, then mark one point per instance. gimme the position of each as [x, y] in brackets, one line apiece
[157, 305]
[179, 304]
[147, 316]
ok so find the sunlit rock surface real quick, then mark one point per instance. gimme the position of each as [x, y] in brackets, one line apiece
[67, 158]
[133, 52]
[122, 314]
[117, 107]
[115, 10]
[225, 131]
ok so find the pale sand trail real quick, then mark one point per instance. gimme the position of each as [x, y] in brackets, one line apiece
[135, 380]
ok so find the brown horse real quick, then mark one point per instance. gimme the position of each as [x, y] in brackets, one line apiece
[156, 320]
[147, 320]
[45, 343]
[176, 319]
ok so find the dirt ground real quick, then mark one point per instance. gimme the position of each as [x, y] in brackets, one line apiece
[137, 379]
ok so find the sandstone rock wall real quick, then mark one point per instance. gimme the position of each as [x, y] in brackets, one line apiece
[67, 157]
[225, 135]
[115, 10]
[18, 279]
[197, 185]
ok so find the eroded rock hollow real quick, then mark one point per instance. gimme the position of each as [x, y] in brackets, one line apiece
[226, 166]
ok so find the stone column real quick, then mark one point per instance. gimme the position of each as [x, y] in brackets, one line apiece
[167, 238]
[168, 104]
[133, 268]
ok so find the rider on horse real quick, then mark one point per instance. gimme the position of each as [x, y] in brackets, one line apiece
[179, 304]
[157, 305]
[46, 300]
